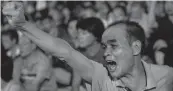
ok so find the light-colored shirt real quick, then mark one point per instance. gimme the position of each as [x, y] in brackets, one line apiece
[158, 78]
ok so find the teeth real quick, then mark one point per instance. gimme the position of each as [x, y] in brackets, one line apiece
[112, 67]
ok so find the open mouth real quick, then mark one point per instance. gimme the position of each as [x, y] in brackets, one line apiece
[111, 65]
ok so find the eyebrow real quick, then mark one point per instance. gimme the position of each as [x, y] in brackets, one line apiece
[112, 41]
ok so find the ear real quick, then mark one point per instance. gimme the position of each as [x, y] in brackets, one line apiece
[136, 47]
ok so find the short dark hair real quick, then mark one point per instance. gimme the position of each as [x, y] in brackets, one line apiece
[134, 30]
[93, 25]
[12, 33]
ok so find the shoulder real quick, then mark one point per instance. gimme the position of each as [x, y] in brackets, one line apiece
[163, 74]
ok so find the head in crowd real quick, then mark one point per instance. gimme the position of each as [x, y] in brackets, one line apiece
[26, 46]
[123, 43]
[169, 8]
[90, 31]
[72, 31]
[117, 14]
[57, 16]
[159, 10]
[138, 9]
[9, 38]
[160, 47]
[102, 9]
[49, 26]
[88, 12]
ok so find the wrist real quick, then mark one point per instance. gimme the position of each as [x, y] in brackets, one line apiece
[22, 25]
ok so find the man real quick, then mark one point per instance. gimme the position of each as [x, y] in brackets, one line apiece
[90, 31]
[9, 52]
[32, 69]
[123, 43]
[165, 31]
[145, 17]
[10, 41]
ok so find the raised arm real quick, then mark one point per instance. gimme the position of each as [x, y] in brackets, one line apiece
[56, 46]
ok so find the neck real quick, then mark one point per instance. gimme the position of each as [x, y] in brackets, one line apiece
[136, 79]
[93, 49]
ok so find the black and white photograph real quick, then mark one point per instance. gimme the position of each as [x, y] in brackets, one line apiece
[86, 45]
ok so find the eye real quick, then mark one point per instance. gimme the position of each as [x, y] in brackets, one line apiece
[103, 46]
[114, 46]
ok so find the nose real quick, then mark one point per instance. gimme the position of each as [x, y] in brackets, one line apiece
[107, 53]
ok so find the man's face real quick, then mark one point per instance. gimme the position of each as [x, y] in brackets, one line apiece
[26, 46]
[85, 38]
[169, 7]
[7, 42]
[118, 52]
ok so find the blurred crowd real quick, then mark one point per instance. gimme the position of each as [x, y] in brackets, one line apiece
[59, 19]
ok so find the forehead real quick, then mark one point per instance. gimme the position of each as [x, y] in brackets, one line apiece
[116, 32]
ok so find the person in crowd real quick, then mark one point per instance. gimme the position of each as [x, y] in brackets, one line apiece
[167, 31]
[159, 10]
[32, 70]
[166, 24]
[88, 12]
[66, 13]
[10, 42]
[6, 68]
[160, 48]
[90, 31]
[123, 42]
[102, 11]
[117, 14]
[72, 32]
[145, 17]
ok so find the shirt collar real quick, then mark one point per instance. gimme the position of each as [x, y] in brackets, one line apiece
[151, 83]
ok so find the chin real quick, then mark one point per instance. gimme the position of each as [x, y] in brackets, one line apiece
[116, 75]
[82, 46]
